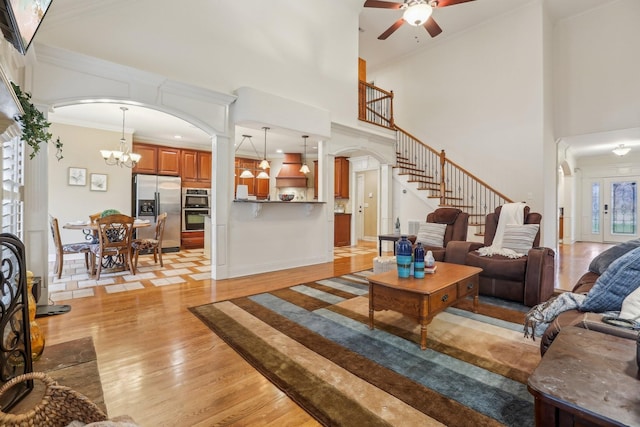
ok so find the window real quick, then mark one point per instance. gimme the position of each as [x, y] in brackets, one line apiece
[595, 208]
[12, 181]
[624, 198]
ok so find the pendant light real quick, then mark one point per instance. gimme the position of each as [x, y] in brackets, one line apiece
[264, 164]
[305, 169]
[123, 155]
[246, 173]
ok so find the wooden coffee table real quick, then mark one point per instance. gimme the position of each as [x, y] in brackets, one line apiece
[422, 299]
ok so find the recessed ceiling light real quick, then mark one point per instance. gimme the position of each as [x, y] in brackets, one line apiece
[279, 150]
[177, 136]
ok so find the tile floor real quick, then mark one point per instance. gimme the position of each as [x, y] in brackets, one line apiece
[76, 283]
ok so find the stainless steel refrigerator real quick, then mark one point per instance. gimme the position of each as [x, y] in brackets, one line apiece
[153, 195]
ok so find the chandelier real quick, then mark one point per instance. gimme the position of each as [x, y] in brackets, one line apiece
[123, 155]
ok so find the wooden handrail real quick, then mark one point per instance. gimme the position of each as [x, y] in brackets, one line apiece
[375, 105]
[452, 184]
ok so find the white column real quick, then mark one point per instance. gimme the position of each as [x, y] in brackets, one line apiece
[36, 217]
[386, 199]
[221, 191]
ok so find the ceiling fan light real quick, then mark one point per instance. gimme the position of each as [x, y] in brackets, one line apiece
[621, 150]
[417, 14]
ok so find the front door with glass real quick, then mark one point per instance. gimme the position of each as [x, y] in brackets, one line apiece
[610, 209]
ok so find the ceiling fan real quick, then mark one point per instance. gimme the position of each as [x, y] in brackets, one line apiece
[416, 13]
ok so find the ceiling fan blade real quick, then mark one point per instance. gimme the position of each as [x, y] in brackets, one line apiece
[432, 27]
[444, 3]
[391, 29]
[382, 4]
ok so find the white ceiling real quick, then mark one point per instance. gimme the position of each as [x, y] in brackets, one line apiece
[155, 126]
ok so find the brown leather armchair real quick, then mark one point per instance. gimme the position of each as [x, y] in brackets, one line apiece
[457, 223]
[528, 279]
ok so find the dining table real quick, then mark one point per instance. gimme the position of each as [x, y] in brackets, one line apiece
[90, 229]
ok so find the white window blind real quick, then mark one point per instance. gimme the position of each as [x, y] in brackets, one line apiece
[12, 182]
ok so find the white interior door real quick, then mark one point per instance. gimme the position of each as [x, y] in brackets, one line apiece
[620, 209]
[359, 207]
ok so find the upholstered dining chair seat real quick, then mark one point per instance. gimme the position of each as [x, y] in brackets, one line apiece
[144, 244]
[77, 247]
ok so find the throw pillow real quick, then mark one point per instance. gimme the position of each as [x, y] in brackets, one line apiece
[519, 238]
[431, 234]
[600, 263]
[631, 306]
[615, 284]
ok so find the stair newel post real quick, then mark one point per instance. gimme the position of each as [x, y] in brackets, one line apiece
[442, 177]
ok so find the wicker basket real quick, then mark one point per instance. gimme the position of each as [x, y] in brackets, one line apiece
[60, 405]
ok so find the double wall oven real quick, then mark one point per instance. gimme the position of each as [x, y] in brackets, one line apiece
[196, 203]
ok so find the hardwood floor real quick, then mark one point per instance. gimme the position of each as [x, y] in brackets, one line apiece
[163, 367]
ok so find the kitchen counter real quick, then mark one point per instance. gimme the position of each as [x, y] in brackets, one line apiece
[292, 202]
[257, 205]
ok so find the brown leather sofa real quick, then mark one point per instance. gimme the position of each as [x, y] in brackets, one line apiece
[457, 223]
[528, 279]
[590, 320]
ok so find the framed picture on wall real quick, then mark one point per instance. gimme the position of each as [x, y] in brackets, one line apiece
[77, 176]
[98, 182]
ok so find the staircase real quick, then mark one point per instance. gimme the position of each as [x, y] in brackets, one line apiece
[431, 171]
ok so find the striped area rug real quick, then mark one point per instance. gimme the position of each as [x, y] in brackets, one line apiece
[313, 342]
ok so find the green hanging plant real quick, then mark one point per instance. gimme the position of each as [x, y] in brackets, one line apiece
[35, 128]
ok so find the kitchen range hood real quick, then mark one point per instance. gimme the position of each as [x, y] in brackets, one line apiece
[290, 175]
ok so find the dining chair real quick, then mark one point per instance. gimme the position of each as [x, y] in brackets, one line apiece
[154, 245]
[114, 236]
[67, 249]
[92, 234]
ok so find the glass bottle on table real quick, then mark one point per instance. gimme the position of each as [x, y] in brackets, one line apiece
[403, 257]
[418, 261]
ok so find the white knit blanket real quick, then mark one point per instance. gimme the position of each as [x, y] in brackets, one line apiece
[510, 214]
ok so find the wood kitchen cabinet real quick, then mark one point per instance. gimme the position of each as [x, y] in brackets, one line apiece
[168, 161]
[341, 179]
[342, 230]
[204, 166]
[192, 239]
[189, 165]
[149, 161]
[196, 166]
[157, 160]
